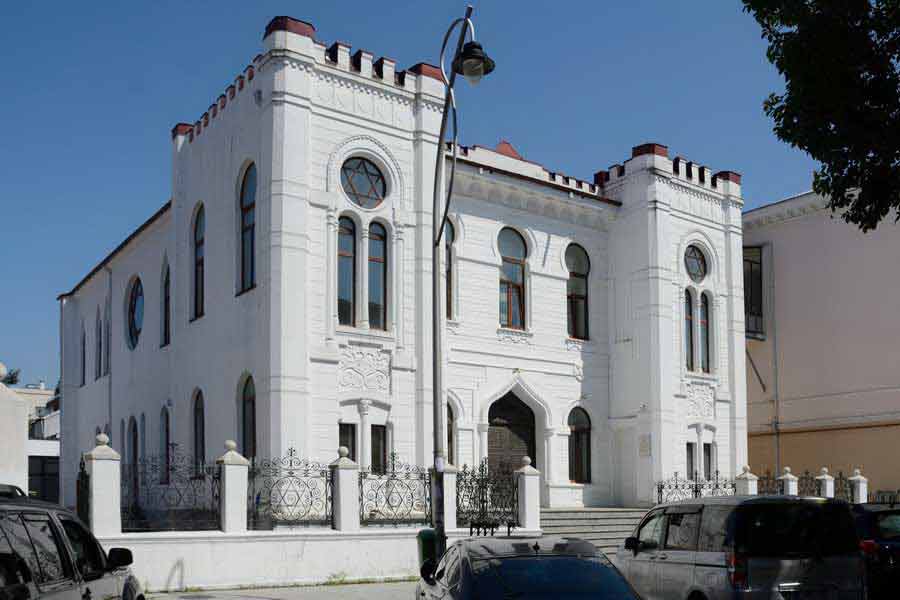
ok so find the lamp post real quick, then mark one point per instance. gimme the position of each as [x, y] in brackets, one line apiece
[470, 61]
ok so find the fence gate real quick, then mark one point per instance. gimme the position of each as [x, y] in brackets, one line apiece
[399, 496]
[83, 495]
[487, 498]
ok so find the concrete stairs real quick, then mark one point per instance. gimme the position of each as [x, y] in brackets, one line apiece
[606, 528]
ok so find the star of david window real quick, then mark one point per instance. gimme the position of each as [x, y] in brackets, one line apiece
[695, 263]
[363, 182]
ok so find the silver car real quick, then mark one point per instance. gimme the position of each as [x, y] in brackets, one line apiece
[778, 547]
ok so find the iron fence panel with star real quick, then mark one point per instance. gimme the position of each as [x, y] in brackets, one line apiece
[172, 492]
[288, 491]
[487, 498]
[401, 495]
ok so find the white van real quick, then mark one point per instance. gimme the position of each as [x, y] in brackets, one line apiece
[773, 547]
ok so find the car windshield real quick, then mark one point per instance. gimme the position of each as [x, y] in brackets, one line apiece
[888, 525]
[795, 530]
[532, 577]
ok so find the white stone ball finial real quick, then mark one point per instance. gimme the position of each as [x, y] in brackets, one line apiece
[787, 470]
[526, 461]
[102, 439]
[824, 470]
[745, 469]
[857, 472]
[230, 445]
[3, 370]
[343, 452]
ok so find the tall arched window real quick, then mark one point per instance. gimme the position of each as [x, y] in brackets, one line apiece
[135, 313]
[579, 266]
[108, 339]
[143, 455]
[688, 330]
[377, 276]
[579, 446]
[98, 346]
[449, 238]
[248, 229]
[83, 356]
[199, 432]
[133, 456]
[704, 332]
[165, 437]
[199, 259]
[346, 271]
[451, 435]
[512, 279]
[124, 446]
[166, 308]
[248, 419]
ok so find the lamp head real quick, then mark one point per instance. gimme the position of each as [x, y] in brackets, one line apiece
[473, 63]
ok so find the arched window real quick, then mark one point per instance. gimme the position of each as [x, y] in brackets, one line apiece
[688, 330]
[108, 339]
[377, 276]
[248, 419]
[449, 238]
[166, 308]
[451, 435]
[579, 266]
[199, 258]
[199, 432]
[124, 446]
[133, 457]
[512, 279]
[346, 271]
[135, 313]
[579, 446]
[165, 437]
[704, 332]
[98, 346]
[83, 356]
[143, 455]
[248, 229]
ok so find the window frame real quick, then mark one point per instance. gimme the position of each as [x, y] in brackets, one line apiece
[695, 253]
[198, 247]
[451, 434]
[689, 330]
[347, 431]
[198, 410]
[704, 322]
[382, 237]
[353, 195]
[754, 296]
[572, 299]
[83, 356]
[98, 347]
[248, 434]
[508, 285]
[380, 463]
[449, 240]
[247, 212]
[165, 442]
[579, 434]
[351, 256]
[166, 306]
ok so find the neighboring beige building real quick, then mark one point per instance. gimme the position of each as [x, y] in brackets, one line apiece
[827, 297]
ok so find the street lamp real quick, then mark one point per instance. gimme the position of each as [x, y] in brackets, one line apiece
[471, 62]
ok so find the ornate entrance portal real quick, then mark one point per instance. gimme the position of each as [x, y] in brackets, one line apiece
[511, 433]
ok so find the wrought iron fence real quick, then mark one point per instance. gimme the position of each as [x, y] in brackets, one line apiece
[487, 499]
[83, 494]
[885, 497]
[401, 495]
[769, 485]
[288, 491]
[843, 490]
[170, 493]
[679, 488]
[808, 485]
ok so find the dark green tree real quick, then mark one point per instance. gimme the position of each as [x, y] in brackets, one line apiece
[12, 377]
[841, 101]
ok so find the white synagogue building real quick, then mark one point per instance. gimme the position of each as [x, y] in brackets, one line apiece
[281, 297]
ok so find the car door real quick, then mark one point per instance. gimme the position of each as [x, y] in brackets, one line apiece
[675, 561]
[98, 582]
[642, 566]
[441, 589]
[39, 548]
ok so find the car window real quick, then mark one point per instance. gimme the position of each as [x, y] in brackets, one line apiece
[651, 530]
[37, 542]
[542, 576]
[89, 558]
[13, 570]
[888, 526]
[714, 529]
[446, 560]
[451, 576]
[681, 533]
[797, 529]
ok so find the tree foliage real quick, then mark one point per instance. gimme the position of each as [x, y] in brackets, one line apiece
[841, 102]
[12, 377]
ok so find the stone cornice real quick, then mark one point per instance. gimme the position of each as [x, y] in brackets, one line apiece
[779, 212]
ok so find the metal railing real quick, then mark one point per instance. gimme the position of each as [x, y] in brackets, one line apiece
[487, 499]
[680, 488]
[399, 496]
[170, 493]
[288, 491]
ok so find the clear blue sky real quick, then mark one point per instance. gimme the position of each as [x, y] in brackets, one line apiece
[91, 90]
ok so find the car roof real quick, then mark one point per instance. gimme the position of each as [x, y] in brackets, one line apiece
[26, 503]
[872, 507]
[747, 500]
[495, 547]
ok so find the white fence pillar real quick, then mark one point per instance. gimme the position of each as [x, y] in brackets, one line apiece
[529, 496]
[825, 484]
[860, 487]
[345, 491]
[788, 481]
[746, 484]
[449, 496]
[102, 464]
[233, 489]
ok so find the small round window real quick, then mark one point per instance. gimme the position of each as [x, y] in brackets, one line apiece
[135, 312]
[363, 182]
[695, 263]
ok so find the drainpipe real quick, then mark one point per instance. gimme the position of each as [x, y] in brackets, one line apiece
[109, 350]
[776, 422]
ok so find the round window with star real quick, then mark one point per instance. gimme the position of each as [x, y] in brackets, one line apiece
[363, 182]
[695, 263]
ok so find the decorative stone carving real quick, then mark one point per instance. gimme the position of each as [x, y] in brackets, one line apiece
[573, 345]
[578, 371]
[700, 401]
[364, 370]
[513, 336]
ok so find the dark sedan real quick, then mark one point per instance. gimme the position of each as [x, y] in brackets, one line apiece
[522, 568]
[878, 526]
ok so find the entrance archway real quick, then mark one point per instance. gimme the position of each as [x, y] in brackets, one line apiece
[510, 433]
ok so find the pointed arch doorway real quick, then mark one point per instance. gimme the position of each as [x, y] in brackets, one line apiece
[510, 432]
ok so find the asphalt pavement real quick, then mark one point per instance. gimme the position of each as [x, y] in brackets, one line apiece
[359, 591]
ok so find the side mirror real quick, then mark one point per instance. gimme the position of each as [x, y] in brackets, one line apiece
[427, 571]
[119, 557]
[633, 544]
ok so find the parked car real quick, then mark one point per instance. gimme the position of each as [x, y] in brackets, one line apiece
[522, 568]
[878, 526]
[745, 547]
[46, 552]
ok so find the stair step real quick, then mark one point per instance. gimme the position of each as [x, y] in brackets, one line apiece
[603, 527]
[579, 529]
[575, 522]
